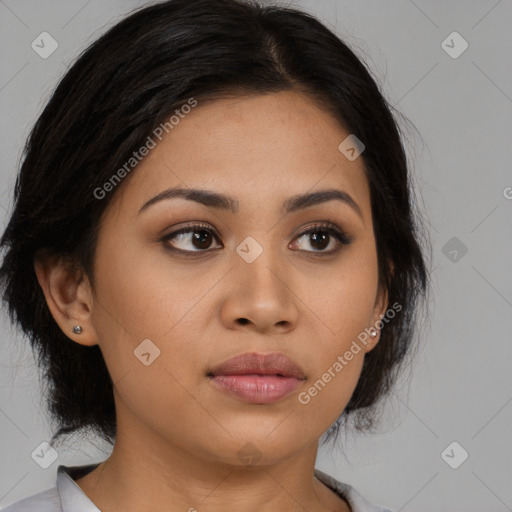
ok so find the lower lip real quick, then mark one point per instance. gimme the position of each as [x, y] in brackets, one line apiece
[257, 389]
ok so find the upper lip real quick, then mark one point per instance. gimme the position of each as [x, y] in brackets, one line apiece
[264, 364]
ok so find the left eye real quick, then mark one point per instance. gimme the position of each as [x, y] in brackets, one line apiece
[202, 237]
[321, 237]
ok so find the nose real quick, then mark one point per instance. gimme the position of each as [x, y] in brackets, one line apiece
[260, 296]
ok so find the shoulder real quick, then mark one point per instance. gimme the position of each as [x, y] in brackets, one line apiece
[45, 501]
[357, 502]
[65, 496]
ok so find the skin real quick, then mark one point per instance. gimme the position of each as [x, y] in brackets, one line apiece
[178, 436]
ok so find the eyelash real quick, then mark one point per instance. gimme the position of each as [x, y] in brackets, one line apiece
[325, 227]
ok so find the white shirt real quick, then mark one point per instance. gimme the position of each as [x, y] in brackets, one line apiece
[67, 496]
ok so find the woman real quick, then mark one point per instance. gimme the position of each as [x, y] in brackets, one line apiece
[214, 253]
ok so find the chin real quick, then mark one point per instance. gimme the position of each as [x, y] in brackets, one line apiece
[255, 447]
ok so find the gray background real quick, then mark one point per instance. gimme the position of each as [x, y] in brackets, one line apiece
[460, 388]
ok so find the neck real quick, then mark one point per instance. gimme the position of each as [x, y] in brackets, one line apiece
[145, 472]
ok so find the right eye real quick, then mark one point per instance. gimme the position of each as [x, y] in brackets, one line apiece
[194, 238]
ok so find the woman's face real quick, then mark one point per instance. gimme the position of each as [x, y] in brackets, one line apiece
[246, 281]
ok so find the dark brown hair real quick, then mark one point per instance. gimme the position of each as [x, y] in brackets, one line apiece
[125, 85]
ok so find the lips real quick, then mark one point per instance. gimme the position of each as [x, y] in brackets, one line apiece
[260, 364]
[258, 378]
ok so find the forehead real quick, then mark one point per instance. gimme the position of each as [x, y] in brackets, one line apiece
[259, 149]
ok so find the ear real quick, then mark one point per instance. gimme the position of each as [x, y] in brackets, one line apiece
[379, 310]
[68, 294]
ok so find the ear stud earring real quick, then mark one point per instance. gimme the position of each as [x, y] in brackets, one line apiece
[373, 332]
[77, 329]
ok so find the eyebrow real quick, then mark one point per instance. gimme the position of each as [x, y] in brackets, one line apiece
[224, 202]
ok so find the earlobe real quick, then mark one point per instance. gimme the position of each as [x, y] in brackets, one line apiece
[68, 295]
[381, 303]
[380, 308]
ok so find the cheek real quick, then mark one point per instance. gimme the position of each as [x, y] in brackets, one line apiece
[326, 394]
[144, 311]
[340, 300]
[336, 367]
[147, 294]
[144, 296]
[344, 304]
